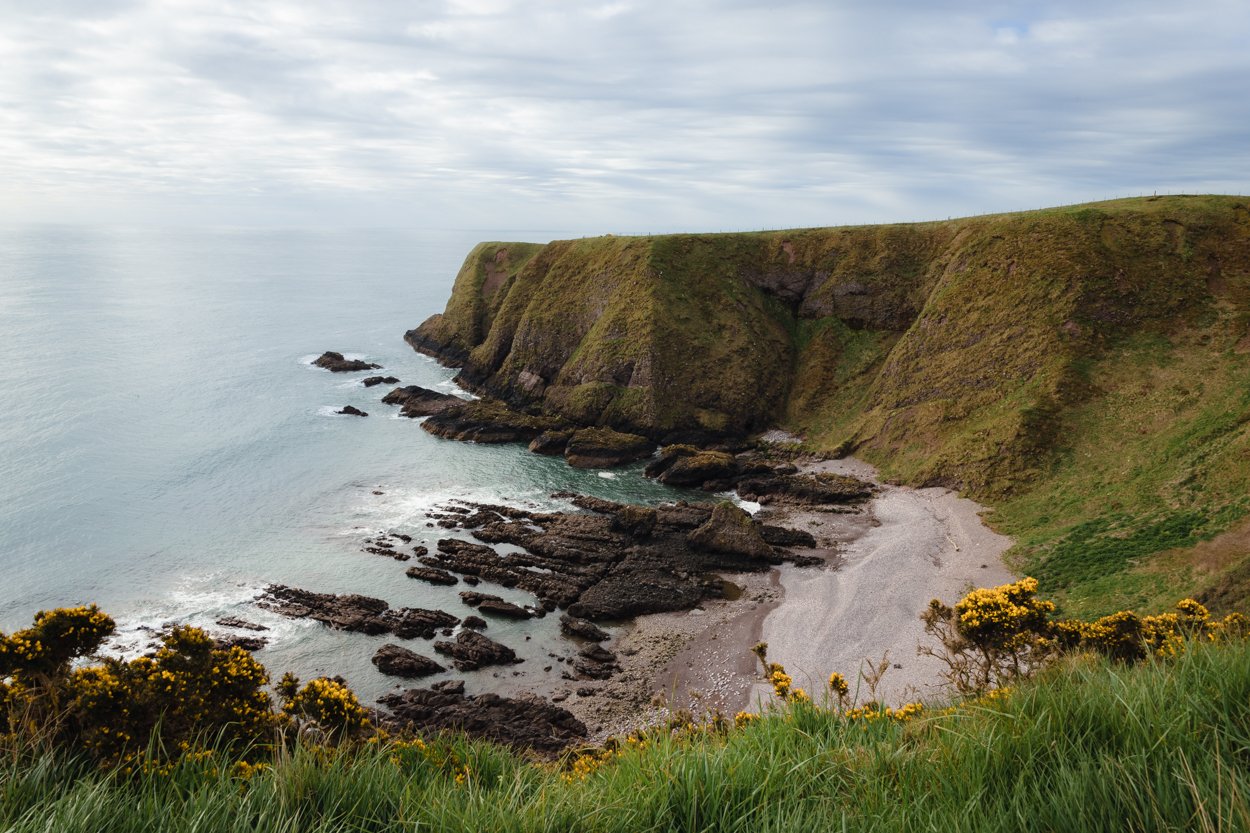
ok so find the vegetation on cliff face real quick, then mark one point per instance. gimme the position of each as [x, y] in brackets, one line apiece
[1082, 369]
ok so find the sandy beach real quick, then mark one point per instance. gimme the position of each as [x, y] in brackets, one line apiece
[884, 562]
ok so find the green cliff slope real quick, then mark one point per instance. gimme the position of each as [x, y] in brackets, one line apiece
[1083, 369]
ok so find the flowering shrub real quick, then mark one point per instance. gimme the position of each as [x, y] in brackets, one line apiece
[328, 704]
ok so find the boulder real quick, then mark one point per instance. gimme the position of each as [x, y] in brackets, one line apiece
[471, 650]
[476, 623]
[551, 442]
[351, 410]
[595, 448]
[335, 363]
[572, 626]
[731, 530]
[370, 381]
[397, 661]
[694, 470]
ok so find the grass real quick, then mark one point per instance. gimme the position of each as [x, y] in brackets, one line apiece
[1088, 746]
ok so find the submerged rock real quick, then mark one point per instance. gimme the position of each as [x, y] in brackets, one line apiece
[397, 661]
[335, 363]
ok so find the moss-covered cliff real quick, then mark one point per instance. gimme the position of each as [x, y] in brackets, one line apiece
[1086, 364]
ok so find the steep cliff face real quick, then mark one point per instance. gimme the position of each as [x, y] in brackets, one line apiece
[954, 349]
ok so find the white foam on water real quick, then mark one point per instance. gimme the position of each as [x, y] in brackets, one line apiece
[200, 602]
[749, 506]
[607, 475]
[401, 508]
[330, 411]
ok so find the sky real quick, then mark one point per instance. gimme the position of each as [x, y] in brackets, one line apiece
[617, 116]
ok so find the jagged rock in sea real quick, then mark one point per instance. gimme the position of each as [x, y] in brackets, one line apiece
[416, 401]
[353, 612]
[335, 363]
[471, 650]
[370, 381]
[351, 410]
[397, 661]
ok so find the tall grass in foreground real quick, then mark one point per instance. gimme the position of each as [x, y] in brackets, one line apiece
[1088, 746]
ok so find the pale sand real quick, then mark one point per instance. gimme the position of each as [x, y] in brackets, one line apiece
[885, 562]
[922, 544]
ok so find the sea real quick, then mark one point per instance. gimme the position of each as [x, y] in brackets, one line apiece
[167, 449]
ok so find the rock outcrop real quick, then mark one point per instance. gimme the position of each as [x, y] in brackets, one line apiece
[352, 612]
[397, 661]
[523, 723]
[416, 401]
[351, 410]
[335, 363]
[471, 650]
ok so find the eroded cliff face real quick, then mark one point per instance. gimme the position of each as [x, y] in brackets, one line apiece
[955, 348]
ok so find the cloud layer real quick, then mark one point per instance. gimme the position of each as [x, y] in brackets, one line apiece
[627, 115]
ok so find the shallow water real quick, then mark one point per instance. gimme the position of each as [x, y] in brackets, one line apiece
[166, 450]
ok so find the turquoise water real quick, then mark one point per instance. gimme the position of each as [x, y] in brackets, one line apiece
[166, 450]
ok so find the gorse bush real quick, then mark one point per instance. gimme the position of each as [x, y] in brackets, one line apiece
[995, 636]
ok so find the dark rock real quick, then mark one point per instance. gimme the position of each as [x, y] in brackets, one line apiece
[476, 623]
[598, 653]
[499, 607]
[472, 650]
[823, 488]
[551, 442]
[473, 598]
[572, 626]
[236, 622]
[352, 612]
[488, 421]
[335, 363]
[416, 401]
[523, 723]
[697, 469]
[351, 410]
[247, 643]
[401, 662]
[592, 448]
[380, 380]
[731, 530]
[431, 574]
[780, 536]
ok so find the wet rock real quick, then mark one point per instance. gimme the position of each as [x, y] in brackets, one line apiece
[594, 448]
[247, 643]
[351, 410]
[335, 363]
[379, 380]
[353, 612]
[243, 624]
[488, 421]
[431, 574]
[523, 723]
[476, 623]
[471, 650]
[499, 607]
[731, 530]
[398, 661]
[695, 470]
[597, 653]
[780, 536]
[551, 442]
[572, 626]
[416, 401]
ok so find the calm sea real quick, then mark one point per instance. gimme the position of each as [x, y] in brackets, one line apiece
[166, 449]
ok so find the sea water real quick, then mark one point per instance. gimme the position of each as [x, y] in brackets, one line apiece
[167, 449]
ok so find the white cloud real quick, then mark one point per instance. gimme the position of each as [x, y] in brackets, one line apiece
[611, 115]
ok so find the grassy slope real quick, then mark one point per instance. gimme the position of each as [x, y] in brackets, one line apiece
[1089, 747]
[1080, 369]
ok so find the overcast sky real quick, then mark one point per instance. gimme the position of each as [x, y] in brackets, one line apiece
[631, 115]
